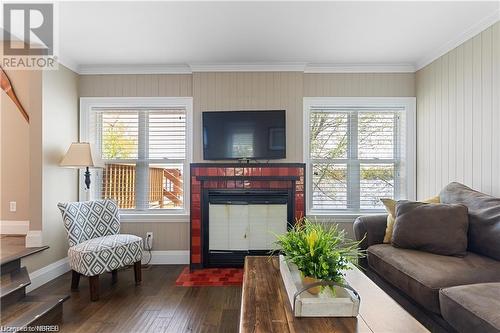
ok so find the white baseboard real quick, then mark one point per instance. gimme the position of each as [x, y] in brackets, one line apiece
[48, 273]
[14, 227]
[34, 238]
[173, 257]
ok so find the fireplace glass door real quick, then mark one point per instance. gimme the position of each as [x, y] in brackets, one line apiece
[243, 227]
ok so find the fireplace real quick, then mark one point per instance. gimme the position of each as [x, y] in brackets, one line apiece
[236, 208]
[237, 223]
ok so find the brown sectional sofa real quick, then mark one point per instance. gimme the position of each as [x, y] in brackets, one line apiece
[473, 307]
[464, 291]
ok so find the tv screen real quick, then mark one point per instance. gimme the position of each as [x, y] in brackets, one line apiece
[244, 135]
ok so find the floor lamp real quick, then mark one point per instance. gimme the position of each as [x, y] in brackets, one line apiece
[79, 155]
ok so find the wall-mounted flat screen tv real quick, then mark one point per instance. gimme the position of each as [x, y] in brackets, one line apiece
[229, 135]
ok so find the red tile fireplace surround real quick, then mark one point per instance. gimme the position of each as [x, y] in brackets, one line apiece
[237, 176]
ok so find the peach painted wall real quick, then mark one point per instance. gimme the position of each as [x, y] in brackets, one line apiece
[15, 143]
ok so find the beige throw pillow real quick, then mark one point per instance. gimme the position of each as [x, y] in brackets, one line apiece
[390, 207]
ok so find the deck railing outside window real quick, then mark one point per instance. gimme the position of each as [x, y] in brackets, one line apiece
[165, 186]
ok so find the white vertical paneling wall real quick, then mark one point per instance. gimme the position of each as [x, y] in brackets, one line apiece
[359, 85]
[458, 117]
[240, 91]
[136, 85]
[250, 91]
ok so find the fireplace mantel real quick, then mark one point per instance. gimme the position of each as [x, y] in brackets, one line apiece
[240, 177]
[259, 178]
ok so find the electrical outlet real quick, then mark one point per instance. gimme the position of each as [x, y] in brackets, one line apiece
[149, 240]
[13, 206]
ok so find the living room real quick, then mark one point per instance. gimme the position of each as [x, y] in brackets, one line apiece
[163, 162]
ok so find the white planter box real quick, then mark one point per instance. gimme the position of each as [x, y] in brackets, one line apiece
[344, 304]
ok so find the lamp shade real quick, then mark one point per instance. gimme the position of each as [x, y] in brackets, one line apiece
[79, 155]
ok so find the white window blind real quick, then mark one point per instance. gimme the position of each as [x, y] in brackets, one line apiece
[356, 156]
[144, 152]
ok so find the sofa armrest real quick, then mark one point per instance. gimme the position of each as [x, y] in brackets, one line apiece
[372, 228]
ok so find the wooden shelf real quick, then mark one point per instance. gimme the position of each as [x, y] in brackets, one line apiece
[247, 165]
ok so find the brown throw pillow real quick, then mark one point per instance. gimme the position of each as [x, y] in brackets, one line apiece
[390, 207]
[435, 228]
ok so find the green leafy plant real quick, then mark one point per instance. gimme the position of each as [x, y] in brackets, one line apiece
[319, 252]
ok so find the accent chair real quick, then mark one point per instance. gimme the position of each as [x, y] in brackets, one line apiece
[96, 246]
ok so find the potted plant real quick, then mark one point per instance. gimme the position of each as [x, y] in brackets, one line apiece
[320, 253]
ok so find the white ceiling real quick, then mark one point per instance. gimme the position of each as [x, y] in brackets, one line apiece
[152, 33]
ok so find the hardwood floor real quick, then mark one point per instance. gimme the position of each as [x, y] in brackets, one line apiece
[155, 306]
[13, 247]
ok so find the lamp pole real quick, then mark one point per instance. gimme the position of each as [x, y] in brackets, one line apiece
[87, 178]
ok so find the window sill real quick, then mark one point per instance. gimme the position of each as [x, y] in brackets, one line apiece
[155, 218]
[339, 217]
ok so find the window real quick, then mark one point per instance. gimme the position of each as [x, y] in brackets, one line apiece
[357, 151]
[144, 146]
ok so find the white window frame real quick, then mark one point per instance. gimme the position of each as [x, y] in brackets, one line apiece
[408, 104]
[186, 103]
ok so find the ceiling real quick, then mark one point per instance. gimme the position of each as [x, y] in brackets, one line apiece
[201, 33]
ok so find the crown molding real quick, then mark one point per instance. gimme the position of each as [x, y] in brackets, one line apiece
[359, 68]
[460, 39]
[249, 67]
[134, 69]
[68, 63]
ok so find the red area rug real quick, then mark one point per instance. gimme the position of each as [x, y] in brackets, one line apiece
[210, 277]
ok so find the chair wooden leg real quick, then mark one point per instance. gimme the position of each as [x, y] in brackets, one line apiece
[137, 273]
[94, 287]
[114, 276]
[75, 280]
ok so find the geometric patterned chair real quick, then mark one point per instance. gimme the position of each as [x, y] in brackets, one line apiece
[95, 244]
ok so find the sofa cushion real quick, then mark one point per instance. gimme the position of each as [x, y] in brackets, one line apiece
[435, 228]
[104, 254]
[472, 308]
[484, 217]
[420, 274]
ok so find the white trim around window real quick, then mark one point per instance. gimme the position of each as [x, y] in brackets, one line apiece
[186, 103]
[408, 104]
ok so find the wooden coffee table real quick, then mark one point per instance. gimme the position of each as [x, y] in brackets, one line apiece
[265, 306]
